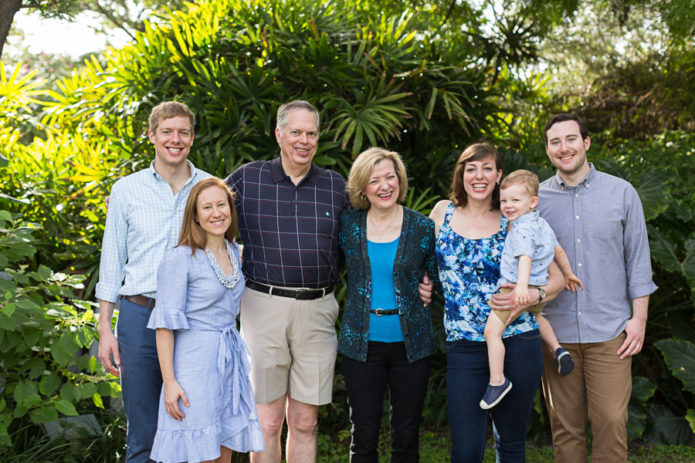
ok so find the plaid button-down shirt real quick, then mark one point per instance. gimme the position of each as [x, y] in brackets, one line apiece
[289, 231]
[143, 220]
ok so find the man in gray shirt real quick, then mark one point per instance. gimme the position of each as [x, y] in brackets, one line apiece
[599, 221]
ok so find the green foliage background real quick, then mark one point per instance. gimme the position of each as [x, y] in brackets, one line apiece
[380, 76]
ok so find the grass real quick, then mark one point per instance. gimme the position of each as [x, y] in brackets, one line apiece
[435, 448]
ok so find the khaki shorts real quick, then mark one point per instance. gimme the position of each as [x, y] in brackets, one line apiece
[504, 314]
[293, 346]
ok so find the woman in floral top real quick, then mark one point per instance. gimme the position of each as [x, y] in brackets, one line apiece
[470, 237]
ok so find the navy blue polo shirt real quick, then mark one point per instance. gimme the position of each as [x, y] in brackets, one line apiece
[289, 232]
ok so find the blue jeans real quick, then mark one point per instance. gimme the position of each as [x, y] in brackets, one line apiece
[386, 368]
[141, 379]
[467, 377]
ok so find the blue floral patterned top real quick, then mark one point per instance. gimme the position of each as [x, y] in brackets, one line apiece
[469, 270]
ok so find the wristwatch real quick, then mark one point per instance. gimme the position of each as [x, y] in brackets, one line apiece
[541, 295]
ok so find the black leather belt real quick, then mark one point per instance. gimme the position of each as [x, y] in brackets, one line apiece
[300, 294]
[379, 312]
[141, 300]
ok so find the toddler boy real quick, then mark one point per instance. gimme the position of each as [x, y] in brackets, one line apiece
[529, 249]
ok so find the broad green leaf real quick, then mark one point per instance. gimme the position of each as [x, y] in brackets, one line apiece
[680, 358]
[63, 350]
[8, 309]
[24, 390]
[663, 427]
[654, 192]
[49, 384]
[36, 367]
[7, 324]
[96, 398]
[66, 408]
[43, 415]
[636, 421]
[109, 388]
[19, 411]
[87, 390]
[69, 392]
[690, 418]
[93, 364]
[689, 261]
[642, 389]
[663, 250]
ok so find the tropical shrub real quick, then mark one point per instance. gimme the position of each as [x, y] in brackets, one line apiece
[44, 333]
[378, 79]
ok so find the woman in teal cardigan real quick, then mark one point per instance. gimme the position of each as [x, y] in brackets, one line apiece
[386, 335]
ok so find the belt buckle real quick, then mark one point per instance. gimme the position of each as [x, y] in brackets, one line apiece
[303, 294]
[379, 312]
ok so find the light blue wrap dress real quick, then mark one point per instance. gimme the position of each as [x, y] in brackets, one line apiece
[211, 361]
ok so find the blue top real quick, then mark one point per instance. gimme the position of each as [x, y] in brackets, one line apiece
[143, 220]
[290, 232]
[469, 270]
[414, 257]
[600, 225]
[385, 328]
[530, 236]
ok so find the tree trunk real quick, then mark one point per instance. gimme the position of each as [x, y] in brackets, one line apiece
[8, 8]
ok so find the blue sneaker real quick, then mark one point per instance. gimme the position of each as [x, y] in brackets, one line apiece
[493, 394]
[564, 362]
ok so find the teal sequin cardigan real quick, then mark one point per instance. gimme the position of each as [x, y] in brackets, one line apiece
[414, 256]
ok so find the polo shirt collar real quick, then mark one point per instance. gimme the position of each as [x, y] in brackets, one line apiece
[588, 180]
[279, 174]
[529, 217]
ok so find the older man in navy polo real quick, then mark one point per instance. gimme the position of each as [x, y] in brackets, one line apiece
[288, 211]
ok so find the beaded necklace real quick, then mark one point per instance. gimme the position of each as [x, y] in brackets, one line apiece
[228, 281]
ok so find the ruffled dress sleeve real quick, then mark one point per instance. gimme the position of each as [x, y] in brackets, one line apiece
[172, 286]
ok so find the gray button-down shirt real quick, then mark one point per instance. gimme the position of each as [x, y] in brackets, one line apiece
[600, 225]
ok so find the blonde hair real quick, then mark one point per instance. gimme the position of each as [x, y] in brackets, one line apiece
[167, 110]
[362, 169]
[192, 234]
[474, 152]
[522, 177]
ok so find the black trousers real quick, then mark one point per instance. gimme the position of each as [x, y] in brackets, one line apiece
[386, 368]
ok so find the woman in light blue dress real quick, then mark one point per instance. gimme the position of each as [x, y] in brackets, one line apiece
[206, 407]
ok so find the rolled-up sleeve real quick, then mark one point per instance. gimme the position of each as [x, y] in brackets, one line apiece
[113, 248]
[638, 264]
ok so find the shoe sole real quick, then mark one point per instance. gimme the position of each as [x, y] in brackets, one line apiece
[485, 406]
[565, 364]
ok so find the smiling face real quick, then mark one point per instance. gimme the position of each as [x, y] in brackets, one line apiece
[515, 201]
[567, 151]
[172, 140]
[213, 211]
[383, 186]
[298, 141]
[480, 178]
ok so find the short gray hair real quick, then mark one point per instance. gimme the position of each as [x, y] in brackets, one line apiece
[285, 109]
